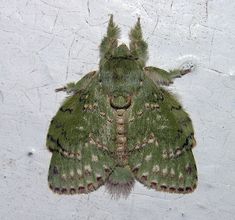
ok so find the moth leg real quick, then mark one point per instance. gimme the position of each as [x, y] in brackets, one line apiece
[177, 73]
[138, 46]
[110, 42]
[69, 88]
[162, 77]
[72, 88]
[159, 76]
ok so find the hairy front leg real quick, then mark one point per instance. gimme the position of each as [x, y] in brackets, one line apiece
[163, 77]
[72, 87]
[69, 88]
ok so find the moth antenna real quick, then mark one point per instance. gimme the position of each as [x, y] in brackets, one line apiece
[137, 44]
[110, 41]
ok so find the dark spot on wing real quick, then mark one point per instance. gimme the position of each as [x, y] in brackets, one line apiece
[55, 170]
[69, 110]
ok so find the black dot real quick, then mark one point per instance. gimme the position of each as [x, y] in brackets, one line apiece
[30, 153]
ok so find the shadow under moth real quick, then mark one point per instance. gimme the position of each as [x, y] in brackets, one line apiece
[120, 124]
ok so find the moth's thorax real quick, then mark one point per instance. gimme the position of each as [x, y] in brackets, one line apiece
[121, 74]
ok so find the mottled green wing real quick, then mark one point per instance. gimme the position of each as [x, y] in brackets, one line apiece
[160, 139]
[80, 139]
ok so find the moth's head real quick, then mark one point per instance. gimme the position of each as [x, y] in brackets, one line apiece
[121, 66]
[137, 50]
[122, 51]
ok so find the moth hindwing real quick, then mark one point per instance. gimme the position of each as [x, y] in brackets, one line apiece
[119, 124]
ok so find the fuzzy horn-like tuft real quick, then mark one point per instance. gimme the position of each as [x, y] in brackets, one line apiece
[110, 41]
[138, 46]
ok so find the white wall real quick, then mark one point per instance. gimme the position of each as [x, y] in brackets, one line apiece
[45, 44]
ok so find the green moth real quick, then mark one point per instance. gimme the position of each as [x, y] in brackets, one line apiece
[119, 124]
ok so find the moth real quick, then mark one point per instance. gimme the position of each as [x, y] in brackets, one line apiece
[120, 124]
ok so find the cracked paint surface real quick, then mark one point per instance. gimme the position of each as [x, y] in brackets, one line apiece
[45, 44]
